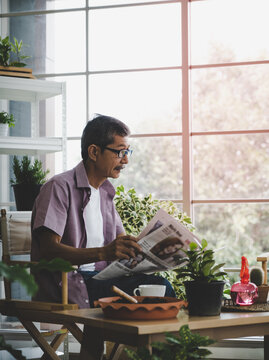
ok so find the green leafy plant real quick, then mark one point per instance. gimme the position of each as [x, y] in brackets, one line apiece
[27, 173]
[17, 49]
[200, 265]
[21, 274]
[6, 118]
[186, 346]
[7, 49]
[136, 211]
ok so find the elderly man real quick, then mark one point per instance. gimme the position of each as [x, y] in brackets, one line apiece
[74, 217]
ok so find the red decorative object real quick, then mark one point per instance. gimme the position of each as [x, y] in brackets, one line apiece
[140, 311]
[244, 273]
[244, 292]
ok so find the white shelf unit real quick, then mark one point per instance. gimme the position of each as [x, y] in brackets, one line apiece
[15, 145]
[33, 91]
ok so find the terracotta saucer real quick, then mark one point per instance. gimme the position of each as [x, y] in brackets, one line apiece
[140, 311]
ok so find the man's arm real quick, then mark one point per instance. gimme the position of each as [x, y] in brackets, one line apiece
[123, 247]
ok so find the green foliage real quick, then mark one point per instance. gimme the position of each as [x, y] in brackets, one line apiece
[135, 211]
[200, 265]
[56, 264]
[7, 49]
[6, 118]
[27, 173]
[17, 48]
[20, 272]
[186, 346]
[256, 275]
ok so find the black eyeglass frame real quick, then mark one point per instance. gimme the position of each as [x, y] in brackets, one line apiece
[127, 152]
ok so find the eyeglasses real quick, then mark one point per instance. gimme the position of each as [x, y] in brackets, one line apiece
[121, 153]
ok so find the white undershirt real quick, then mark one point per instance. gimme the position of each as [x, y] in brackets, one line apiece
[94, 225]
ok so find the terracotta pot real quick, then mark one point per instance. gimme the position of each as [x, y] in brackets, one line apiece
[204, 298]
[141, 311]
[263, 294]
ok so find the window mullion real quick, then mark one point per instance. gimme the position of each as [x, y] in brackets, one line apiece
[186, 119]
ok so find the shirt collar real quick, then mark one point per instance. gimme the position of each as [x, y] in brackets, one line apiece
[83, 182]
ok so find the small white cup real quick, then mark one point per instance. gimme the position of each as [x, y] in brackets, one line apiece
[150, 290]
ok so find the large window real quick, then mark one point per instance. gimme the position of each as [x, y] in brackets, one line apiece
[190, 79]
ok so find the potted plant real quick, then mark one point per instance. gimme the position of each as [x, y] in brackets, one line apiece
[6, 121]
[12, 57]
[28, 181]
[204, 290]
[257, 277]
[186, 346]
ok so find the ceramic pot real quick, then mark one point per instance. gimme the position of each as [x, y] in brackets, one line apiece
[3, 129]
[25, 195]
[204, 299]
[141, 311]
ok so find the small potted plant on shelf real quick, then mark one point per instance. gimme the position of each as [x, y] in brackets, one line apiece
[12, 58]
[204, 290]
[6, 121]
[28, 181]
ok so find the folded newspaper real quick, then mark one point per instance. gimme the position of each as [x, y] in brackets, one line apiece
[162, 241]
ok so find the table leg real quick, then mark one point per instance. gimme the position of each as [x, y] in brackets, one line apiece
[92, 346]
[266, 346]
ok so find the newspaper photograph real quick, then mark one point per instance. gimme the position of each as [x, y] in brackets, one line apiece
[162, 241]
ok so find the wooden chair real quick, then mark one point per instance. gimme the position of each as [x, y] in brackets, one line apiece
[16, 240]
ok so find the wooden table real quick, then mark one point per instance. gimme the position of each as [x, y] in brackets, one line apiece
[97, 328]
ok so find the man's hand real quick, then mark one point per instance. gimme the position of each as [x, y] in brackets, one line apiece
[123, 247]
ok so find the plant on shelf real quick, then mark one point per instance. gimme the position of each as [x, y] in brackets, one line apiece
[6, 118]
[136, 211]
[6, 121]
[27, 173]
[204, 290]
[28, 180]
[5, 49]
[17, 50]
[9, 50]
[186, 346]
